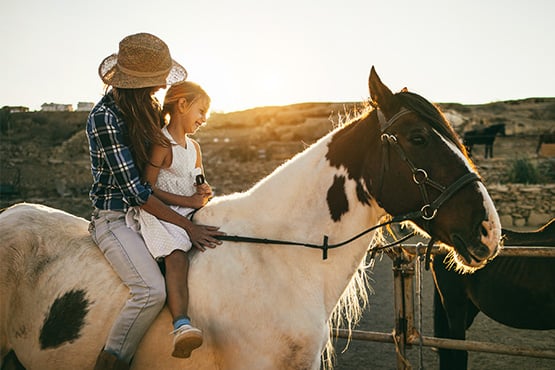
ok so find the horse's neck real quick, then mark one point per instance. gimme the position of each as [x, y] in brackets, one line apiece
[291, 204]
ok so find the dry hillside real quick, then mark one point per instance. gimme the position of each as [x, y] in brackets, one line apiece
[44, 156]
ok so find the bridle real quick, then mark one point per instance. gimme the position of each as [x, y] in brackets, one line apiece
[419, 176]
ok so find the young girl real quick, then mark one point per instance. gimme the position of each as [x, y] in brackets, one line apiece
[173, 172]
[120, 130]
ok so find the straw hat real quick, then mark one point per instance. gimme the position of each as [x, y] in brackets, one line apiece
[143, 60]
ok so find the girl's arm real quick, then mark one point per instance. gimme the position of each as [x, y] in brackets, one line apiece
[161, 157]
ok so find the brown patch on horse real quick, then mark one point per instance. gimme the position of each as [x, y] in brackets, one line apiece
[65, 319]
[338, 203]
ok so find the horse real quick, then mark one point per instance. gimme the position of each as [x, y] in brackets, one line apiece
[260, 305]
[484, 136]
[514, 291]
[545, 138]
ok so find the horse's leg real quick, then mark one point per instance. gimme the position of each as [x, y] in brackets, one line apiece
[441, 324]
[450, 313]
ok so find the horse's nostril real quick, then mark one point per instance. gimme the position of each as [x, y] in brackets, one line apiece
[483, 230]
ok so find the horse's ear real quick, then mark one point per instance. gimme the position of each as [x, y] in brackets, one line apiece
[380, 94]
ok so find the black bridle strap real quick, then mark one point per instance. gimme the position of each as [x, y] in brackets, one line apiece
[325, 246]
[453, 188]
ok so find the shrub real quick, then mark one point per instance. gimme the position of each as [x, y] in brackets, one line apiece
[523, 172]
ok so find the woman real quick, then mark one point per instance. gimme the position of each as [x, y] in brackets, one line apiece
[120, 129]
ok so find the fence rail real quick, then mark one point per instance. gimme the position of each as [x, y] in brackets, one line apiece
[406, 334]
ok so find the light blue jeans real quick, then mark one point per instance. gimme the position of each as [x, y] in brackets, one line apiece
[127, 253]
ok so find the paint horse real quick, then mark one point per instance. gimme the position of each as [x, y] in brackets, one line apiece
[260, 306]
[515, 291]
[484, 136]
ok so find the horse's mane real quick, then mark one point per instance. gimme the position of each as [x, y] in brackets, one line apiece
[431, 114]
[348, 310]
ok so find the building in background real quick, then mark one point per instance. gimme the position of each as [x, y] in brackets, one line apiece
[84, 106]
[55, 107]
[16, 109]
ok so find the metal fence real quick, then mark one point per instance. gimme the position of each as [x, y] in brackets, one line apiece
[406, 270]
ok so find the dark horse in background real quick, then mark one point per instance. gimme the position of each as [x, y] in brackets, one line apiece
[514, 291]
[484, 136]
[545, 138]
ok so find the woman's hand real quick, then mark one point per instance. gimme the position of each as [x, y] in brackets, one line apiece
[203, 236]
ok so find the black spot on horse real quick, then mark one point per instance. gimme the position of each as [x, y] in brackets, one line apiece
[362, 194]
[337, 199]
[11, 362]
[65, 319]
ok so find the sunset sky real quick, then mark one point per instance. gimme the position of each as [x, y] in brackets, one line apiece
[249, 53]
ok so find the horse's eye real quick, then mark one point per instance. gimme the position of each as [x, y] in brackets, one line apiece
[418, 139]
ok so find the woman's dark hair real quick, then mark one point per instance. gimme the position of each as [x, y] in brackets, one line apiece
[143, 116]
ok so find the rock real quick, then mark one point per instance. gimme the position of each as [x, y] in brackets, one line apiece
[538, 218]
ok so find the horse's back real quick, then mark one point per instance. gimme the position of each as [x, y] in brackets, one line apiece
[52, 281]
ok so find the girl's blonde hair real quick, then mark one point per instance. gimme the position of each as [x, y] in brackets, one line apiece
[188, 90]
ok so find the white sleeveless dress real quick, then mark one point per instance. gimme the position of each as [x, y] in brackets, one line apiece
[162, 237]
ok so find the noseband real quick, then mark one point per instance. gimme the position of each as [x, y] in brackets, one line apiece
[419, 175]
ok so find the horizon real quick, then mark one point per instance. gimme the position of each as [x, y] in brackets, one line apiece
[286, 105]
[256, 53]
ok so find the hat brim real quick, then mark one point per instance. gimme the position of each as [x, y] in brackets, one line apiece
[112, 75]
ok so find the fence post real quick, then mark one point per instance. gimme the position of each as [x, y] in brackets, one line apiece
[403, 273]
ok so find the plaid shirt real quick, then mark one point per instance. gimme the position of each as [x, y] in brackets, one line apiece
[116, 181]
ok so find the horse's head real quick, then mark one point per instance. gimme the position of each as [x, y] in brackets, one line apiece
[425, 174]
[501, 129]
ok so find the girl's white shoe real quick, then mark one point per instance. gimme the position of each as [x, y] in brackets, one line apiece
[186, 339]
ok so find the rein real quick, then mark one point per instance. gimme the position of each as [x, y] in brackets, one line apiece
[325, 246]
[419, 176]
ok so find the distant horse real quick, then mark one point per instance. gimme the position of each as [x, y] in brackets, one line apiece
[484, 136]
[545, 138]
[515, 291]
[260, 306]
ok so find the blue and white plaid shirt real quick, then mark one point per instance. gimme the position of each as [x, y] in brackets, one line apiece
[116, 180]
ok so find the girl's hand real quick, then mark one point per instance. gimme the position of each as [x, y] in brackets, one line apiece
[205, 190]
[198, 200]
